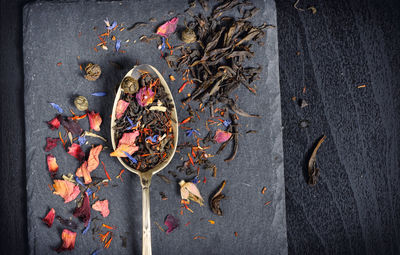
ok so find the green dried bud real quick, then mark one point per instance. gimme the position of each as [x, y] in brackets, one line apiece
[81, 103]
[129, 85]
[93, 72]
[189, 36]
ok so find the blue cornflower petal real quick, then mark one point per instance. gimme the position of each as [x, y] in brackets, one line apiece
[163, 44]
[87, 228]
[79, 181]
[89, 191]
[95, 252]
[57, 107]
[118, 45]
[113, 25]
[152, 138]
[82, 140]
[99, 94]
[227, 123]
[130, 157]
[190, 132]
[195, 180]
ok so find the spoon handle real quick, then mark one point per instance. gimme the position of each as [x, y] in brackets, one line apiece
[146, 244]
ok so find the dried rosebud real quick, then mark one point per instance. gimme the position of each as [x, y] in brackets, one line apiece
[81, 103]
[145, 96]
[189, 36]
[93, 72]
[190, 191]
[129, 85]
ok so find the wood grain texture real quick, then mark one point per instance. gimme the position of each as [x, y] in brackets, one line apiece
[354, 207]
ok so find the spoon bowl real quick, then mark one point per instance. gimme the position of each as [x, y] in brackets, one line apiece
[145, 177]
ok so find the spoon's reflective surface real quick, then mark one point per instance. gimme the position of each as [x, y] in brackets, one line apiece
[145, 177]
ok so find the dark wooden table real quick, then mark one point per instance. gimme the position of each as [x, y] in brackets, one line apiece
[355, 207]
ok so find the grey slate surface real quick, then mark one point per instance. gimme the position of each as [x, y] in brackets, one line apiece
[50, 36]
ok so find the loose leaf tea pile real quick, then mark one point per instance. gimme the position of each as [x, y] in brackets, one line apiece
[144, 123]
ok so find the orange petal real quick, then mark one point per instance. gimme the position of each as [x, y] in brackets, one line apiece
[128, 138]
[119, 152]
[83, 171]
[121, 107]
[94, 120]
[66, 190]
[102, 207]
[93, 160]
[68, 238]
[52, 164]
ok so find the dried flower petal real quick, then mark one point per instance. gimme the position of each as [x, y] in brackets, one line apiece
[119, 152]
[75, 151]
[49, 217]
[68, 238]
[54, 123]
[129, 138]
[121, 108]
[117, 45]
[171, 222]
[83, 212]
[222, 136]
[168, 28]
[94, 120]
[189, 191]
[66, 190]
[145, 96]
[83, 171]
[57, 107]
[52, 164]
[102, 207]
[70, 125]
[51, 143]
[99, 94]
[93, 160]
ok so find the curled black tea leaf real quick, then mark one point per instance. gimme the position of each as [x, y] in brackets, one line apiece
[313, 171]
[216, 200]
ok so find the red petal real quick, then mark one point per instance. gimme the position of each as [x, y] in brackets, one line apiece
[83, 171]
[171, 222]
[93, 160]
[66, 190]
[121, 107]
[52, 164]
[75, 151]
[54, 123]
[94, 120]
[222, 136]
[102, 207]
[68, 238]
[51, 143]
[83, 212]
[128, 138]
[49, 217]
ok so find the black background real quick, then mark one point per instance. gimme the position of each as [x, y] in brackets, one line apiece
[355, 207]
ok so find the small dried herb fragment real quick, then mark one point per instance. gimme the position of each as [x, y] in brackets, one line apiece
[216, 199]
[313, 171]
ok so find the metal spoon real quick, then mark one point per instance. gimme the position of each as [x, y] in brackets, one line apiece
[145, 177]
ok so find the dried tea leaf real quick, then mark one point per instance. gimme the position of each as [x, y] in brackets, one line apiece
[216, 199]
[313, 171]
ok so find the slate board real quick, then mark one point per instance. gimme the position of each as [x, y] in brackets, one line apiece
[60, 32]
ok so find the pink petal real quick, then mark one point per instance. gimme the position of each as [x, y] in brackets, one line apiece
[171, 222]
[145, 96]
[222, 136]
[83, 171]
[94, 120]
[75, 151]
[128, 138]
[66, 190]
[68, 238]
[168, 28]
[102, 207]
[93, 160]
[119, 152]
[121, 108]
[49, 217]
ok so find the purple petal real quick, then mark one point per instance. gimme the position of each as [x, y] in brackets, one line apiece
[82, 140]
[171, 222]
[57, 107]
[130, 157]
[99, 94]
[113, 25]
[87, 228]
[118, 45]
[227, 123]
